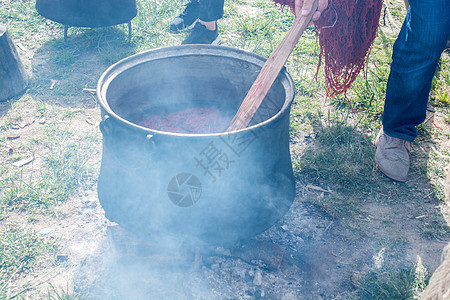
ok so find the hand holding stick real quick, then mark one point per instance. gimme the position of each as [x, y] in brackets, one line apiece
[270, 71]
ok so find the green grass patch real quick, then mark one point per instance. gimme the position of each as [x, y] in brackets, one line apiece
[392, 284]
[59, 293]
[20, 250]
[64, 170]
[434, 229]
[342, 155]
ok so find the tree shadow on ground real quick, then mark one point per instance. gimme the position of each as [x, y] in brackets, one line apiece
[5, 106]
[64, 71]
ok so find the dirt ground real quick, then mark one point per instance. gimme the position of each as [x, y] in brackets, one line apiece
[311, 255]
[306, 255]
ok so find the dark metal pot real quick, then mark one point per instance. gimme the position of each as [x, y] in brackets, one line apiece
[88, 13]
[219, 188]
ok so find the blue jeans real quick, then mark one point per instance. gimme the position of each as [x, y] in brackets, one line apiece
[416, 53]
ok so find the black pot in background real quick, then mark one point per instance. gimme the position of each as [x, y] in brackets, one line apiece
[88, 13]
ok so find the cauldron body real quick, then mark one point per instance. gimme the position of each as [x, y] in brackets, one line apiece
[220, 187]
[88, 13]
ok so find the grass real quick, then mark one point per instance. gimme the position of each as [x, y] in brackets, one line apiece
[20, 250]
[65, 167]
[55, 293]
[434, 229]
[398, 284]
[331, 146]
[62, 165]
[345, 156]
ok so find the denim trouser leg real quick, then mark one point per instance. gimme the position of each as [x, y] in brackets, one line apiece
[416, 53]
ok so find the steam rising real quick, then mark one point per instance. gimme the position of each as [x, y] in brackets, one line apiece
[186, 195]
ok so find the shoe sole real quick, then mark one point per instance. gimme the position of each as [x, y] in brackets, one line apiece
[217, 41]
[176, 30]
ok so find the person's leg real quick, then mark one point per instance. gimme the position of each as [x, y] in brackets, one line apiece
[211, 10]
[416, 53]
[205, 30]
[187, 17]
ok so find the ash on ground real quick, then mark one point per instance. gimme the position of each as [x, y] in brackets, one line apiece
[306, 255]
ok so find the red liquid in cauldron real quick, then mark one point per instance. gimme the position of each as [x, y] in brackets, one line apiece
[192, 120]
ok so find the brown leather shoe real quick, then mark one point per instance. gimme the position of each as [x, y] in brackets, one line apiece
[392, 156]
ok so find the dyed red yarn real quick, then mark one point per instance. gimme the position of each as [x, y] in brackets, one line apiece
[192, 120]
[346, 30]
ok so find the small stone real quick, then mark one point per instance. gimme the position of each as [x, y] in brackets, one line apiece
[45, 231]
[257, 280]
[62, 257]
[23, 162]
[289, 296]
[241, 272]
[220, 250]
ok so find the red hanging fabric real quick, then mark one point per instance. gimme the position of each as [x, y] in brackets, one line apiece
[346, 30]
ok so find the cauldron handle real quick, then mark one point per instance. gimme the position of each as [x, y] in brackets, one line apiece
[103, 125]
[110, 141]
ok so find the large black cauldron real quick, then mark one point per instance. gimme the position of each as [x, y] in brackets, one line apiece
[218, 188]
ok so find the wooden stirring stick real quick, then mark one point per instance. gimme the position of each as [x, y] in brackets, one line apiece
[269, 72]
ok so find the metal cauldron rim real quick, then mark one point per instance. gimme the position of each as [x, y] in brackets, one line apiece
[174, 51]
